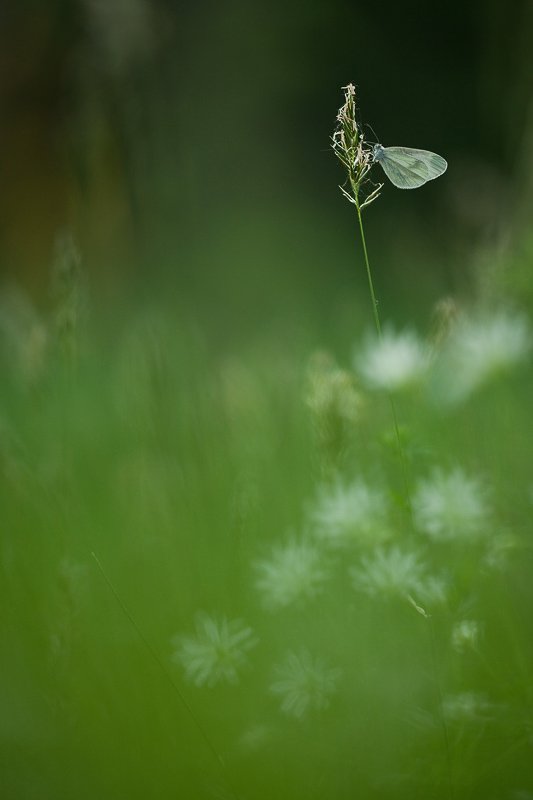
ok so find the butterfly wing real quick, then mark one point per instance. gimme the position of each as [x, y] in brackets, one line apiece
[408, 168]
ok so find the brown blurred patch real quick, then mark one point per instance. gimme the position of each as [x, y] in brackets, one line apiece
[61, 163]
[35, 186]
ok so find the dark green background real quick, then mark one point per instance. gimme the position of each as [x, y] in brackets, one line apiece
[186, 147]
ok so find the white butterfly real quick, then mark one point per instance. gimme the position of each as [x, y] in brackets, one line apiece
[408, 168]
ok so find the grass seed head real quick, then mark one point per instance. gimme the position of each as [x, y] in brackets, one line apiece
[355, 155]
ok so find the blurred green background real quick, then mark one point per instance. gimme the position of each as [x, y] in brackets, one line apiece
[173, 249]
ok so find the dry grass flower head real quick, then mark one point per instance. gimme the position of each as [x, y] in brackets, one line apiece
[355, 155]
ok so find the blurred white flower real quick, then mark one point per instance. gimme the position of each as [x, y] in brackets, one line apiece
[465, 635]
[479, 349]
[432, 590]
[295, 572]
[428, 592]
[217, 652]
[450, 506]
[304, 684]
[393, 361]
[354, 512]
[466, 707]
[391, 572]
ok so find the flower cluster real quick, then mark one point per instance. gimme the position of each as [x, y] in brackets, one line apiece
[472, 350]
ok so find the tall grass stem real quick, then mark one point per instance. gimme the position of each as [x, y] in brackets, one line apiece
[368, 271]
[375, 309]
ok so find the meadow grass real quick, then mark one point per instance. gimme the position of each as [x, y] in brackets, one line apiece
[262, 627]
[215, 583]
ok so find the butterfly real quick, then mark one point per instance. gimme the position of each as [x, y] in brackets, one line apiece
[408, 168]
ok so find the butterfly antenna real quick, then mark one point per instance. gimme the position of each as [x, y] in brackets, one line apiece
[373, 131]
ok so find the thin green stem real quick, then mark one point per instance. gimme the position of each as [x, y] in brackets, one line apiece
[368, 270]
[401, 451]
[403, 459]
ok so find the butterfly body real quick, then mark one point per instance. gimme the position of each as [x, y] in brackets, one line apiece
[408, 168]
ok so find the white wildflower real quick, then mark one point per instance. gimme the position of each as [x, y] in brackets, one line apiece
[465, 635]
[304, 684]
[479, 349]
[354, 512]
[218, 651]
[428, 592]
[394, 361]
[391, 572]
[450, 506]
[432, 590]
[295, 572]
[466, 707]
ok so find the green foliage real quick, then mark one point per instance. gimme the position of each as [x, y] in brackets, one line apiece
[268, 616]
